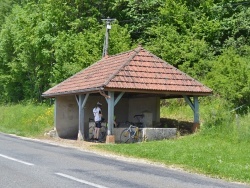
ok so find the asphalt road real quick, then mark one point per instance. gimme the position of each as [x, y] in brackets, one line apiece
[33, 164]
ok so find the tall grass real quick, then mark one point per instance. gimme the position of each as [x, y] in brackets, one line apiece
[183, 112]
[226, 124]
[26, 120]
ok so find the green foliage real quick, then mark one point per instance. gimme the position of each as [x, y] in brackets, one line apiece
[137, 15]
[26, 120]
[230, 76]
[5, 9]
[44, 42]
[41, 44]
[184, 52]
[176, 109]
[72, 52]
[120, 40]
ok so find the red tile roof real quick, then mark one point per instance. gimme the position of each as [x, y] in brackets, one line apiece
[137, 70]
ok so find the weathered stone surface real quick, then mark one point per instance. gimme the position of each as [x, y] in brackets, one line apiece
[151, 133]
[159, 133]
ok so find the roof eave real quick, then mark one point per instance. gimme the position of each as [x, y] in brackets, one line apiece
[74, 92]
[182, 93]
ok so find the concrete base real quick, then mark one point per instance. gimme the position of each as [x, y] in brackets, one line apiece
[195, 127]
[149, 134]
[159, 133]
[110, 139]
[79, 136]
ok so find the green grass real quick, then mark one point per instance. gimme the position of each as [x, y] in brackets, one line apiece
[182, 113]
[26, 120]
[208, 154]
[197, 153]
[220, 149]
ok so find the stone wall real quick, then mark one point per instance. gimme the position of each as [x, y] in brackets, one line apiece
[150, 134]
[149, 106]
[159, 133]
[67, 115]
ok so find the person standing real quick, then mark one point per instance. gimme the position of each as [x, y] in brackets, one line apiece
[97, 111]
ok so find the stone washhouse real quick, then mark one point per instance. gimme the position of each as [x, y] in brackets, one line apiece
[127, 84]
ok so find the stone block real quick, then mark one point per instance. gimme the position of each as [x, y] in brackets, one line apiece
[110, 139]
[159, 133]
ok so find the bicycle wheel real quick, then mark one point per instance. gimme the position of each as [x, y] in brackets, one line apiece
[103, 133]
[91, 132]
[125, 136]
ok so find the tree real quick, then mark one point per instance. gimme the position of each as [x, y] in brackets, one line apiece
[43, 43]
[138, 15]
[230, 76]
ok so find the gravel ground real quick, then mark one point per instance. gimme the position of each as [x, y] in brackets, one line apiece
[82, 145]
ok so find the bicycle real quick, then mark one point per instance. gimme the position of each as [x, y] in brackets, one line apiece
[134, 132]
[131, 134]
[102, 134]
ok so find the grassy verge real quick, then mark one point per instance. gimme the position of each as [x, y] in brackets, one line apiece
[197, 153]
[26, 120]
[220, 149]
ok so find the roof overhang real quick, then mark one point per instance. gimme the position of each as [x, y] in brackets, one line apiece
[132, 93]
[74, 92]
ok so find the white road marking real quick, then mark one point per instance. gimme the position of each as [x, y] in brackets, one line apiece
[17, 160]
[79, 180]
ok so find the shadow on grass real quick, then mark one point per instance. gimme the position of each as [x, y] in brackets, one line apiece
[183, 127]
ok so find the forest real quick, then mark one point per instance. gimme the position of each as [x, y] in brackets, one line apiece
[43, 42]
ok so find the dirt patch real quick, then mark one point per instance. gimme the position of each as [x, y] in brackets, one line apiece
[80, 144]
[183, 127]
